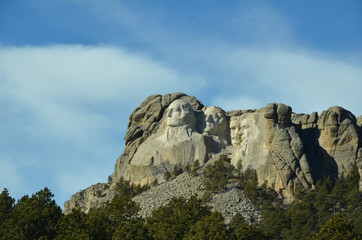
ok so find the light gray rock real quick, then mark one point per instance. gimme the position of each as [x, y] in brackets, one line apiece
[228, 203]
[175, 143]
[267, 141]
[359, 121]
[289, 151]
[94, 196]
[305, 121]
[149, 121]
[339, 140]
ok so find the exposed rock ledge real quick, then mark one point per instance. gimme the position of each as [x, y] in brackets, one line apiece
[289, 151]
[228, 203]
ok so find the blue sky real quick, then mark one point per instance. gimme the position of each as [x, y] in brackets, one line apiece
[71, 72]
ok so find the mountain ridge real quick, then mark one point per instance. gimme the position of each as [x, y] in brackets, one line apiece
[289, 151]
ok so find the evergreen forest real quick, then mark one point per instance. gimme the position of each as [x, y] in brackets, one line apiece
[333, 211]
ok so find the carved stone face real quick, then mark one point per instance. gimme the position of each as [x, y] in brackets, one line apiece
[213, 118]
[235, 131]
[180, 113]
[240, 130]
[244, 130]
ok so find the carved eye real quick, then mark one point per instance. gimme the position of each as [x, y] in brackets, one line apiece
[184, 107]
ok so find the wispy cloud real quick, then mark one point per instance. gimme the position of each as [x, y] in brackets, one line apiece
[65, 107]
[307, 80]
[258, 23]
[70, 100]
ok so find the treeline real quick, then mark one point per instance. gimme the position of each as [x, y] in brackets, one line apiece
[332, 211]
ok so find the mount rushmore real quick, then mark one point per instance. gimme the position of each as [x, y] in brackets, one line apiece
[289, 151]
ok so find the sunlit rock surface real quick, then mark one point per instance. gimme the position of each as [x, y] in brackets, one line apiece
[289, 151]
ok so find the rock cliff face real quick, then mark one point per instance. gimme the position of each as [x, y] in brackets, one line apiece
[268, 141]
[289, 151]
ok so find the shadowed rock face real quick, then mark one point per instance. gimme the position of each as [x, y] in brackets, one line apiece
[289, 151]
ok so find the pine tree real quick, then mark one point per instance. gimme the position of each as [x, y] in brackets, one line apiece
[73, 226]
[6, 205]
[130, 230]
[337, 228]
[174, 220]
[33, 217]
[104, 221]
[210, 227]
[216, 175]
[241, 230]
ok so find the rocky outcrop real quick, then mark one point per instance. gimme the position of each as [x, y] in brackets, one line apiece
[228, 202]
[92, 197]
[339, 139]
[153, 147]
[359, 121]
[289, 151]
[266, 140]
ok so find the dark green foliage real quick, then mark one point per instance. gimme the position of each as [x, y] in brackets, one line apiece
[188, 168]
[303, 219]
[310, 212]
[217, 175]
[120, 210]
[210, 227]
[103, 222]
[245, 177]
[167, 175]
[6, 205]
[130, 230]
[177, 170]
[108, 222]
[274, 223]
[32, 217]
[195, 167]
[249, 232]
[155, 182]
[333, 210]
[259, 195]
[337, 228]
[241, 230]
[251, 186]
[124, 188]
[73, 226]
[174, 220]
[237, 220]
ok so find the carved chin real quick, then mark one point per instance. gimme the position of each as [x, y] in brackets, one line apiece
[210, 129]
[235, 142]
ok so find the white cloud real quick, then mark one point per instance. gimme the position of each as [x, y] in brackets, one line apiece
[59, 83]
[67, 105]
[63, 103]
[82, 72]
[67, 100]
[304, 79]
[260, 23]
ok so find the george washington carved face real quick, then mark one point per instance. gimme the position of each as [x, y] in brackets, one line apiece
[180, 113]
